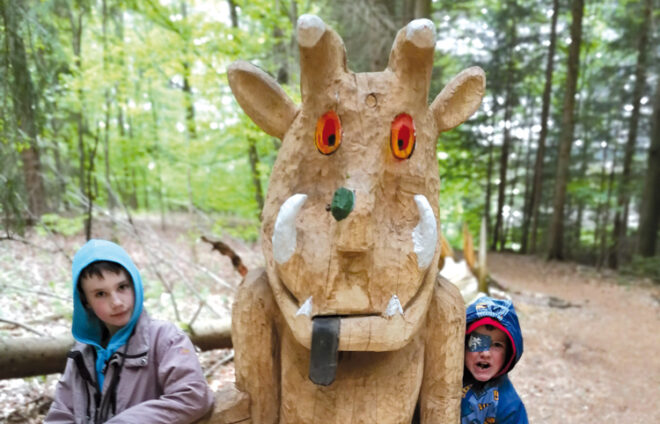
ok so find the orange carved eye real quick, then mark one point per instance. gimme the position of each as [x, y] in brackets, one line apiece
[402, 139]
[328, 133]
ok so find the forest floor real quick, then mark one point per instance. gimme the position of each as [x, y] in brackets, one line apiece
[591, 339]
[591, 342]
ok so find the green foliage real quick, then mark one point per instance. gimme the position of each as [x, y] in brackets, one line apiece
[57, 224]
[10, 204]
[152, 289]
[462, 166]
[244, 229]
[643, 268]
[61, 308]
[149, 96]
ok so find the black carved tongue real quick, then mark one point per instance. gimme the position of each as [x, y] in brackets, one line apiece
[323, 357]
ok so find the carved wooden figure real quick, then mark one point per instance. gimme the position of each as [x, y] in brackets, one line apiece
[349, 322]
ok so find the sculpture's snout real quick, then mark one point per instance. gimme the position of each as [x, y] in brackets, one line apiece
[352, 211]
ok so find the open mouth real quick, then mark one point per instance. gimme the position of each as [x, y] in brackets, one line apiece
[325, 336]
[391, 330]
[483, 365]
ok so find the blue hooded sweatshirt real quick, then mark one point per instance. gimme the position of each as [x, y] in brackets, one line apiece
[494, 401]
[87, 328]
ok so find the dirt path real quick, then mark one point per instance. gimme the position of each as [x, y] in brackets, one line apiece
[591, 344]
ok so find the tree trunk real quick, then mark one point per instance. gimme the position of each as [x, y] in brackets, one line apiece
[489, 171]
[498, 233]
[556, 231]
[256, 175]
[189, 104]
[233, 13]
[90, 192]
[108, 107]
[582, 107]
[623, 197]
[25, 103]
[281, 52]
[600, 222]
[527, 196]
[508, 224]
[527, 174]
[422, 9]
[577, 229]
[76, 40]
[60, 187]
[532, 214]
[650, 211]
[155, 135]
[86, 164]
[133, 200]
[30, 356]
[282, 77]
[603, 257]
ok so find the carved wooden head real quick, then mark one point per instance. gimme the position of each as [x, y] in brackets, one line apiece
[350, 223]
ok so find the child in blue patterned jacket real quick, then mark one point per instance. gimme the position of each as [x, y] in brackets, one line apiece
[493, 345]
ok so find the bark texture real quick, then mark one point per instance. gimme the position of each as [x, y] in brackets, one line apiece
[556, 248]
[29, 356]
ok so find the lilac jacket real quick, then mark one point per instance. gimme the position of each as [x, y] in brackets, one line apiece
[154, 378]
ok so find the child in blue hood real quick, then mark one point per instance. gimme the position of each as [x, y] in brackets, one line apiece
[125, 367]
[493, 345]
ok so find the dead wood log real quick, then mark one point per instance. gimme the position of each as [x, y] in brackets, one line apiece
[29, 356]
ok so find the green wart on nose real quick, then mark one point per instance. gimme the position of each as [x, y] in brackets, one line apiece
[342, 203]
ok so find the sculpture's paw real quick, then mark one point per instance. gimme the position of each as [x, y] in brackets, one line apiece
[231, 406]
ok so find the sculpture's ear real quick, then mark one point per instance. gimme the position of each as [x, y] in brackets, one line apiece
[459, 99]
[261, 97]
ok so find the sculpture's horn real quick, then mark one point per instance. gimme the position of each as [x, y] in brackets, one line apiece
[322, 56]
[411, 58]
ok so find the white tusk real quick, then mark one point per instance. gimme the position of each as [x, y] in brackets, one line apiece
[425, 234]
[393, 307]
[306, 308]
[284, 233]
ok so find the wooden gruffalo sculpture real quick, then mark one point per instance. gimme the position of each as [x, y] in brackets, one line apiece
[349, 322]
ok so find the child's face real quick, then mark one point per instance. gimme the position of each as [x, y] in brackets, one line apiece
[485, 364]
[111, 298]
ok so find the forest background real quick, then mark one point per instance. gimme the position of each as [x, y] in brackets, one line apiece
[116, 121]
[125, 104]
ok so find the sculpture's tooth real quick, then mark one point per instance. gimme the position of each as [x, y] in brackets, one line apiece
[425, 234]
[284, 233]
[306, 308]
[393, 307]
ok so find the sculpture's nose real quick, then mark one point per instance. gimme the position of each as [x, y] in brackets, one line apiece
[352, 210]
[342, 203]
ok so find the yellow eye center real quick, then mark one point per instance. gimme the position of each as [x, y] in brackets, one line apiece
[328, 133]
[402, 138]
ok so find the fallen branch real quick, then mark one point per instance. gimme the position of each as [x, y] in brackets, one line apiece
[229, 357]
[39, 292]
[25, 326]
[224, 249]
[37, 246]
